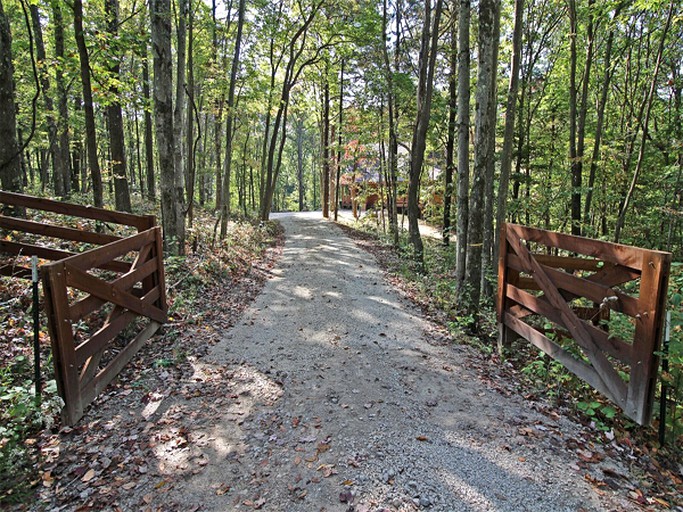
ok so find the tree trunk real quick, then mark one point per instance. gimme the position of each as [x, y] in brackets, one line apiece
[149, 141]
[392, 174]
[116, 135]
[190, 168]
[427, 65]
[70, 174]
[58, 171]
[171, 194]
[339, 140]
[485, 125]
[225, 212]
[326, 145]
[509, 133]
[90, 129]
[489, 198]
[179, 104]
[300, 161]
[573, 99]
[463, 143]
[452, 129]
[10, 168]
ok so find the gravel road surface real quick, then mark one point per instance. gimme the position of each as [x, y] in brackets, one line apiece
[339, 396]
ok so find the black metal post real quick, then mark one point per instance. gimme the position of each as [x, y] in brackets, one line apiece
[663, 386]
[36, 327]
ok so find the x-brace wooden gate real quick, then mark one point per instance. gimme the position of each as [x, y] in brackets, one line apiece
[116, 296]
[536, 286]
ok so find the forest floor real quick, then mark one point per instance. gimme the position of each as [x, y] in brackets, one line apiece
[330, 391]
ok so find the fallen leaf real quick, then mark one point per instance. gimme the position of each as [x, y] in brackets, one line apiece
[422, 438]
[222, 489]
[521, 459]
[89, 475]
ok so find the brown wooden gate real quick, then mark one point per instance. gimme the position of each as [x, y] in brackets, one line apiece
[545, 277]
[103, 303]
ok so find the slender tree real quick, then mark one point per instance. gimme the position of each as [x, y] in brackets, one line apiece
[10, 169]
[115, 114]
[171, 194]
[90, 128]
[425, 89]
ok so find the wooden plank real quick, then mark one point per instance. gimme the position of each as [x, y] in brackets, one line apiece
[501, 299]
[606, 372]
[569, 262]
[105, 376]
[615, 253]
[45, 253]
[653, 287]
[100, 255]
[53, 231]
[540, 306]
[578, 287]
[89, 284]
[578, 368]
[112, 327]
[140, 222]
[61, 333]
[81, 309]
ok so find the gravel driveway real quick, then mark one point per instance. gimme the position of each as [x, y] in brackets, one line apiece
[339, 396]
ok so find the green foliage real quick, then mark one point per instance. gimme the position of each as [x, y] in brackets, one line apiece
[21, 416]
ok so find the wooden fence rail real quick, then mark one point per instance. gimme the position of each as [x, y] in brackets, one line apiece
[536, 286]
[102, 304]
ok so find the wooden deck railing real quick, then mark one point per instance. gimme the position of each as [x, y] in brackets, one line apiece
[102, 304]
[535, 288]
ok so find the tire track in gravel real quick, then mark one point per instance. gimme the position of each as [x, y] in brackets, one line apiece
[338, 396]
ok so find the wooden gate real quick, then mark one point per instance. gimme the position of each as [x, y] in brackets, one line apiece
[103, 303]
[545, 278]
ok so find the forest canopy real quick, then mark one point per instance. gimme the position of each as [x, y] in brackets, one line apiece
[560, 114]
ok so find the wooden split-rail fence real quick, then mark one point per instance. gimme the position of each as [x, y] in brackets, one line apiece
[581, 286]
[103, 303]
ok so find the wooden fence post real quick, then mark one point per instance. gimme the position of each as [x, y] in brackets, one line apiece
[62, 338]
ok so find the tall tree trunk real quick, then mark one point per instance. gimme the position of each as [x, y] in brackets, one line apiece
[452, 129]
[115, 116]
[171, 195]
[483, 147]
[340, 124]
[190, 173]
[463, 144]
[10, 165]
[576, 168]
[70, 174]
[428, 52]
[225, 212]
[300, 161]
[149, 141]
[326, 144]
[489, 197]
[510, 111]
[90, 129]
[179, 104]
[58, 172]
[392, 160]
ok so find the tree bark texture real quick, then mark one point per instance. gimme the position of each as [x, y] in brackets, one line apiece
[90, 129]
[171, 195]
[483, 148]
[115, 116]
[10, 168]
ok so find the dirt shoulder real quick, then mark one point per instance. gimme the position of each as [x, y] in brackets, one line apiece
[330, 392]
